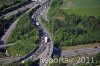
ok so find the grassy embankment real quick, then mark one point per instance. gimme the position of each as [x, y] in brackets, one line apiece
[5, 24]
[25, 36]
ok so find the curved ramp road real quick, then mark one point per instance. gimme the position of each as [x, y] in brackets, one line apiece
[49, 49]
[45, 49]
[43, 45]
[9, 31]
[28, 6]
[7, 45]
[20, 9]
[33, 55]
[9, 59]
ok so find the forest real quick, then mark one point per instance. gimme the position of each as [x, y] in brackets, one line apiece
[5, 23]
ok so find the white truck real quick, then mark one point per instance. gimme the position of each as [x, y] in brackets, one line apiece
[46, 39]
[37, 23]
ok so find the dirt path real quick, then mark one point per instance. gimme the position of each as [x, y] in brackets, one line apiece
[81, 46]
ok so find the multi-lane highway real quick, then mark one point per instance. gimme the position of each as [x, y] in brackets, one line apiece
[9, 31]
[36, 17]
[43, 46]
[21, 9]
[28, 6]
[45, 49]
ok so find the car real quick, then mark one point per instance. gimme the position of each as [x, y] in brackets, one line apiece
[45, 7]
[37, 23]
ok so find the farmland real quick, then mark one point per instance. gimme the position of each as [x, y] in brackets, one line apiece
[82, 7]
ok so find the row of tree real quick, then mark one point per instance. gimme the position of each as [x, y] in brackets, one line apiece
[5, 23]
[72, 29]
[17, 4]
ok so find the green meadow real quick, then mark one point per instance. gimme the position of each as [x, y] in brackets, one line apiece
[82, 7]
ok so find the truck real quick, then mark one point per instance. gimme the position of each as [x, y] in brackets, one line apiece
[46, 39]
[37, 23]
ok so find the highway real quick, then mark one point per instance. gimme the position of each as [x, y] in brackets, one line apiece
[33, 55]
[43, 45]
[9, 31]
[45, 49]
[28, 6]
[36, 17]
[20, 9]
[7, 45]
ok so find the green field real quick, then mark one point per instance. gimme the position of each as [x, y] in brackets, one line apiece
[82, 7]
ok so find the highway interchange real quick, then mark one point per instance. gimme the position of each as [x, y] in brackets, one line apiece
[35, 18]
[45, 49]
[43, 45]
[33, 55]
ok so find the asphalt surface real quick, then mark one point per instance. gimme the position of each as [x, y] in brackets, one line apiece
[36, 17]
[20, 9]
[9, 31]
[28, 6]
[44, 33]
[33, 55]
[43, 45]
[7, 45]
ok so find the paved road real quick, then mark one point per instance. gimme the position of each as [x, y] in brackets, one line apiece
[43, 45]
[36, 17]
[28, 6]
[9, 31]
[34, 55]
[20, 9]
[4, 38]
[6, 45]
[8, 60]
[77, 52]
[49, 45]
